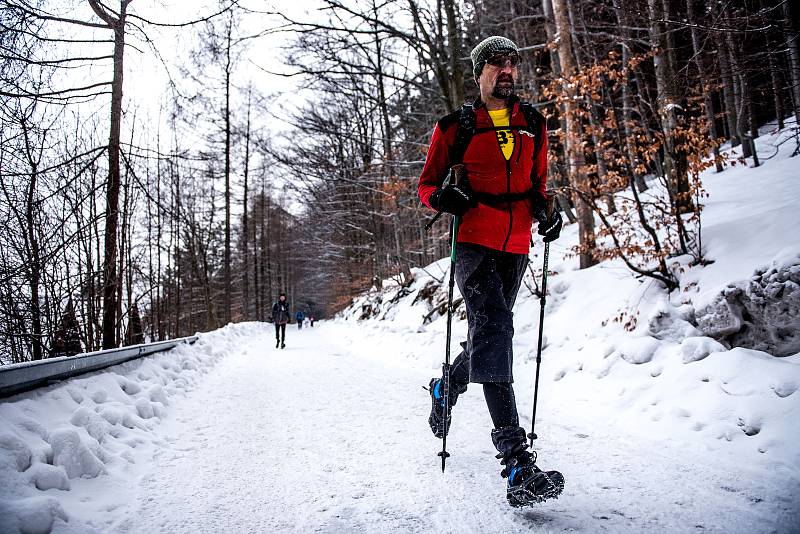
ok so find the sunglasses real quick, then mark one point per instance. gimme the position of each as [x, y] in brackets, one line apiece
[501, 60]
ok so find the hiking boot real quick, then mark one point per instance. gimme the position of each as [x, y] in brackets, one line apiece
[527, 484]
[439, 426]
[283, 345]
[277, 344]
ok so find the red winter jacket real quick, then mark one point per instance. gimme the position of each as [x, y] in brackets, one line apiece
[506, 226]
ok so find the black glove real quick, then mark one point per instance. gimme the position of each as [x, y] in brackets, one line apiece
[455, 199]
[550, 227]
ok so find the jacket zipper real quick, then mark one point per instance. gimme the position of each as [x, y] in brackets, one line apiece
[508, 180]
[510, 206]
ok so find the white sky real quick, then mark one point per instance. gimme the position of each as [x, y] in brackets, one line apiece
[146, 92]
[147, 73]
[146, 77]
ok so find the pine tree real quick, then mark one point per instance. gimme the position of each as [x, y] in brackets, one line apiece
[135, 334]
[67, 338]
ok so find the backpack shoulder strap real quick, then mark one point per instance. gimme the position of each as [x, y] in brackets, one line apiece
[536, 122]
[532, 117]
[464, 133]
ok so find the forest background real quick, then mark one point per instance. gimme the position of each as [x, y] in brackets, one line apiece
[165, 172]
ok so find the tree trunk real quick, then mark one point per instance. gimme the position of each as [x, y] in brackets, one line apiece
[266, 268]
[158, 309]
[793, 52]
[124, 253]
[550, 31]
[753, 131]
[454, 43]
[32, 244]
[257, 264]
[110, 278]
[708, 101]
[226, 313]
[552, 178]
[178, 263]
[89, 281]
[775, 81]
[575, 157]
[152, 290]
[443, 59]
[245, 222]
[627, 100]
[741, 87]
[667, 101]
[727, 90]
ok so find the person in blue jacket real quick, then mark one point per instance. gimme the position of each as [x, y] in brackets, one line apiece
[299, 316]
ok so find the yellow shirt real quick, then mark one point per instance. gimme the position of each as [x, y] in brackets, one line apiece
[505, 138]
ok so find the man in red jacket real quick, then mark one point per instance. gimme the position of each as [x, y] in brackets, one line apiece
[505, 158]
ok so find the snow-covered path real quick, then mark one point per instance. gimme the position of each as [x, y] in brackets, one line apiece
[317, 438]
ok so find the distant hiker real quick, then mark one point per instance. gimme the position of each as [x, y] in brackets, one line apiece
[502, 143]
[280, 316]
[311, 321]
[299, 317]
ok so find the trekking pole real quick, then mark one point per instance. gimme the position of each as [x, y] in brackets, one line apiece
[542, 301]
[456, 173]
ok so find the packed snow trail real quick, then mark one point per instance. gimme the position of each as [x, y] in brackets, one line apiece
[322, 437]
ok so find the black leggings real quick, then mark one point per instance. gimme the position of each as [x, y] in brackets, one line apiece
[502, 404]
[280, 332]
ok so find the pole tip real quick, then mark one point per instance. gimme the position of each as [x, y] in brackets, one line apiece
[444, 455]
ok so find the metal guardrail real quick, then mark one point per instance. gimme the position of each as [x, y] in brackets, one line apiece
[20, 377]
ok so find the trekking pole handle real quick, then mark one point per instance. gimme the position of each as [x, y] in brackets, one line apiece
[456, 176]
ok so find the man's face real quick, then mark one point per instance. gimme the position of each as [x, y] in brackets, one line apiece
[498, 75]
[283, 298]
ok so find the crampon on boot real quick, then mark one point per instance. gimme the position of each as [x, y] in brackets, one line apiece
[527, 484]
[439, 426]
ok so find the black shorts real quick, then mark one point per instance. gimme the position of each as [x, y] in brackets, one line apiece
[489, 281]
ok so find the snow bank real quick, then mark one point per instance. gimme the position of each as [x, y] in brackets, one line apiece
[94, 426]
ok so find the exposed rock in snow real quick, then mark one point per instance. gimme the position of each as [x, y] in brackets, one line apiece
[762, 313]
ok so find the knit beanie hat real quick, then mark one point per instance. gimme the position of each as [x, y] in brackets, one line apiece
[488, 48]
